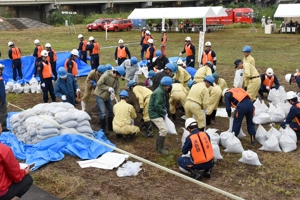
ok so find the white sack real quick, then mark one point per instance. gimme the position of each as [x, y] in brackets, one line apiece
[63, 117]
[9, 86]
[17, 88]
[238, 79]
[33, 81]
[44, 137]
[46, 121]
[262, 118]
[233, 145]
[214, 136]
[39, 89]
[39, 107]
[184, 136]
[33, 88]
[67, 130]
[145, 71]
[264, 107]
[56, 109]
[65, 105]
[26, 88]
[278, 115]
[129, 169]
[26, 114]
[84, 129]
[81, 115]
[216, 148]
[84, 123]
[290, 133]
[273, 131]
[286, 143]
[250, 158]
[258, 107]
[48, 131]
[170, 126]
[261, 134]
[271, 109]
[271, 144]
[70, 124]
[224, 136]
[14, 118]
[277, 96]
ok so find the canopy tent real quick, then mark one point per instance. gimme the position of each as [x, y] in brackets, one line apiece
[287, 10]
[219, 11]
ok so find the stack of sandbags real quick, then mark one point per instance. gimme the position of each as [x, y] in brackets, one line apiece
[17, 88]
[261, 116]
[83, 125]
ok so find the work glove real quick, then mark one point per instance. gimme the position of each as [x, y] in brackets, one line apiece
[192, 60]
[245, 88]
[148, 61]
[110, 89]
[116, 61]
[141, 110]
[63, 97]
[180, 54]
[43, 84]
[267, 87]
[78, 90]
[214, 67]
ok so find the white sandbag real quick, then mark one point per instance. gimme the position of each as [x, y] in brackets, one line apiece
[7, 89]
[224, 137]
[262, 118]
[26, 88]
[39, 89]
[47, 122]
[264, 107]
[67, 130]
[26, 114]
[216, 148]
[70, 124]
[84, 123]
[17, 88]
[271, 144]
[250, 158]
[63, 105]
[21, 129]
[44, 137]
[233, 145]
[241, 134]
[258, 107]
[271, 109]
[14, 118]
[9, 86]
[273, 131]
[261, 134]
[278, 115]
[287, 106]
[170, 126]
[81, 115]
[47, 110]
[184, 136]
[56, 109]
[48, 131]
[33, 81]
[286, 143]
[63, 117]
[84, 129]
[214, 136]
[238, 79]
[221, 112]
[290, 133]
[33, 88]
[39, 107]
[33, 121]
[277, 96]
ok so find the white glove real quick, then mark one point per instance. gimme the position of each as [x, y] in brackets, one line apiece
[267, 87]
[63, 97]
[201, 65]
[215, 67]
[116, 61]
[148, 61]
[78, 90]
[43, 84]
[180, 54]
[110, 89]
[192, 60]
[298, 94]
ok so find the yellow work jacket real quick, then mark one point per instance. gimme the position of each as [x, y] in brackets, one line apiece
[199, 93]
[141, 94]
[182, 76]
[249, 59]
[215, 94]
[250, 72]
[201, 73]
[123, 112]
[222, 83]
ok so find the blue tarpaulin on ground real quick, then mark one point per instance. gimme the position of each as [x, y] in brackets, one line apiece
[28, 66]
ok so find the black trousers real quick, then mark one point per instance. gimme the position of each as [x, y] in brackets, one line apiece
[3, 113]
[18, 189]
[48, 88]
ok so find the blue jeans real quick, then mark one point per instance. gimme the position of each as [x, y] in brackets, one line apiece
[101, 104]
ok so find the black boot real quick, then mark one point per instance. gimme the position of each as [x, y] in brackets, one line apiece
[109, 123]
[148, 129]
[208, 120]
[253, 141]
[207, 173]
[182, 109]
[174, 116]
[103, 126]
[194, 174]
[213, 115]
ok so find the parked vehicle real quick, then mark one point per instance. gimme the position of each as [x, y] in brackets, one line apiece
[99, 24]
[236, 15]
[120, 25]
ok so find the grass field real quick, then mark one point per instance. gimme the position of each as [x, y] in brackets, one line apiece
[278, 177]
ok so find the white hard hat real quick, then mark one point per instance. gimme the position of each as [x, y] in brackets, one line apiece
[91, 38]
[150, 41]
[10, 44]
[181, 23]
[48, 45]
[263, 16]
[2, 66]
[224, 91]
[144, 28]
[44, 53]
[290, 95]
[188, 38]
[121, 41]
[208, 44]
[179, 62]
[163, 30]
[268, 17]
[189, 122]
[288, 78]
[74, 52]
[80, 36]
[269, 72]
[147, 32]
[36, 41]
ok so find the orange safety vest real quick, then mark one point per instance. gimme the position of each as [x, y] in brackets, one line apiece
[188, 50]
[202, 150]
[268, 81]
[74, 67]
[148, 52]
[239, 94]
[39, 51]
[84, 44]
[54, 56]
[96, 48]
[121, 52]
[15, 53]
[146, 38]
[207, 57]
[164, 39]
[296, 118]
[47, 71]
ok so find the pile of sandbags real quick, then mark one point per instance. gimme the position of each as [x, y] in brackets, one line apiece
[49, 119]
[20, 86]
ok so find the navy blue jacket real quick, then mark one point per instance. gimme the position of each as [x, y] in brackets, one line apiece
[294, 112]
[66, 87]
[188, 143]
[2, 90]
[263, 76]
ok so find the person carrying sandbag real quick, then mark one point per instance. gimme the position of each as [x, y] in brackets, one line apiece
[294, 113]
[201, 151]
[241, 101]
[124, 112]
[177, 95]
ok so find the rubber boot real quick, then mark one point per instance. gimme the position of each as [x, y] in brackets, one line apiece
[207, 173]
[109, 123]
[161, 145]
[253, 141]
[194, 174]
[174, 116]
[83, 105]
[148, 129]
[213, 115]
[103, 126]
[208, 120]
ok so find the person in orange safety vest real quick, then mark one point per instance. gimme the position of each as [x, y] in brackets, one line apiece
[121, 53]
[267, 81]
[190, 51]
[151, 52]
[94, 49]
[14, 53]
[52, 59]
[201, 151]
[144, 42]
[70, 63]
[209, 55]
[37, 54]
[82, 48]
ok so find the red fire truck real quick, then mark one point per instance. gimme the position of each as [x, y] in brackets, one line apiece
[236, 15]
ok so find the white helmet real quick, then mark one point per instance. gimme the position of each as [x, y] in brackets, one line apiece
[208, 44]
[91, 38]
[163, 30]
[269, 72]
[225, 91]
[74, 52]
[190, 121]
[121, 41]
[268, 17]
[44, 53]
[290, 95]
[150, 41]
[263, 16]
[48, 45]
[144, 28]
[188, 38]
[2, 66]
[288, 78]
[80, 36]
[179, 62]
[10, 44]
[147, 32]
[36, 41]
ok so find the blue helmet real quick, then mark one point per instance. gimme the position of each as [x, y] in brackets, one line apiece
[101, 68]
[210, 79]
[246, 49]
[210, 64]
[166, 81]
[151, 74]
[124, 93]
[158, 53]
[134, 60]
[108, 66]
[175, 67]
[191, 83]
[120, 70]
[132, 83]
[62, 72]
[170, 66]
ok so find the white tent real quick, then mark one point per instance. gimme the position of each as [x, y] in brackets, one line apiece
[148, 13]
[288, 10]
[219, 11]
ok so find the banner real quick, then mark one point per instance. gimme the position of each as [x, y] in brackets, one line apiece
[201, 46]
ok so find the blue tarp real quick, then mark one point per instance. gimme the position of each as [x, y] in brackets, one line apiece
[28, 66]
